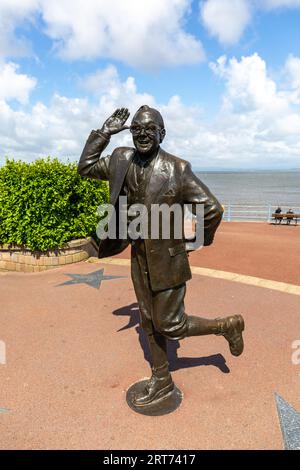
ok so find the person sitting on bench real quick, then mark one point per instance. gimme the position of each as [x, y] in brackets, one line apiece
[288, 220]
[278, 211]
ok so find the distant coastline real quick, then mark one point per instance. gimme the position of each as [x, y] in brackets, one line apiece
[253, 194]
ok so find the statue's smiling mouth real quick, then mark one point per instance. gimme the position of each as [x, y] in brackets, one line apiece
[144, 142]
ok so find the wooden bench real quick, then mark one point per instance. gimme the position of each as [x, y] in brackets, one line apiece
[287, 217]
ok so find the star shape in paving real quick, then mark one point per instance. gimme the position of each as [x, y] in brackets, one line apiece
[290, 424]
[92, 279]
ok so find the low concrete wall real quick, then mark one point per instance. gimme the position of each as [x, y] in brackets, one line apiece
[13, 258]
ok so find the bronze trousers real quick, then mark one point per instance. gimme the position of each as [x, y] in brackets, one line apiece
[161, 312]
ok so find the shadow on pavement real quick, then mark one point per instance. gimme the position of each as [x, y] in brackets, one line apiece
[176, 363]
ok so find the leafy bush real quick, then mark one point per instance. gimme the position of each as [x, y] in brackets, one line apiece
[46, 203]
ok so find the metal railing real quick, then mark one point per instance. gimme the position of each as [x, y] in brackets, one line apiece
[253, 213]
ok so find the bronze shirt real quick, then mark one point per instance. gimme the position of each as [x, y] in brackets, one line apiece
[137, 180]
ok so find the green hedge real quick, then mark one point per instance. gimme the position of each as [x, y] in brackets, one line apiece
[47, 203]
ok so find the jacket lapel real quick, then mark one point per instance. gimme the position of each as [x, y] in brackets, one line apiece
[159, 177]
[119, 173]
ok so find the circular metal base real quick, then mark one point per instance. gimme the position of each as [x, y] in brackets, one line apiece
[159, 407]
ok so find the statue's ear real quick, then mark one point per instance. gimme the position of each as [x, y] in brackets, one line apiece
[162, 134]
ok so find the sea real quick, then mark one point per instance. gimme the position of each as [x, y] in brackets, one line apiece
[254, 195]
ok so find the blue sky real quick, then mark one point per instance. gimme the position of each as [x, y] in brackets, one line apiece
[224, 73]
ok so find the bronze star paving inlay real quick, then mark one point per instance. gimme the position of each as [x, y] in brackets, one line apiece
[290, 424]
[93, 279]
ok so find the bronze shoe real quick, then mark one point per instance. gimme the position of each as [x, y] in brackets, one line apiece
[157, 388]
[231, 328]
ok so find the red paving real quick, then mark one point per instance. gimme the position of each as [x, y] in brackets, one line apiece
[70, 361]
[255, 249]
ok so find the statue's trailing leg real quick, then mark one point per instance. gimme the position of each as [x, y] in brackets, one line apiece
[230, 327]
[160, 384]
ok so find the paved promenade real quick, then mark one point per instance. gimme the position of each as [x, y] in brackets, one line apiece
[254, 249]
[73, 347]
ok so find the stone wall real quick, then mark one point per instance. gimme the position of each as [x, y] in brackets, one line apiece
[23, 260]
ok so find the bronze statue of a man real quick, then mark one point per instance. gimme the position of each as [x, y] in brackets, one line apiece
[160, 268]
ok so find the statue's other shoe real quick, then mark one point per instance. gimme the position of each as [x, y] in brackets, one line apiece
[232, 328]
[155, 389]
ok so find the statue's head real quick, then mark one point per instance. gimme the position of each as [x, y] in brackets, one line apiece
[148, 130]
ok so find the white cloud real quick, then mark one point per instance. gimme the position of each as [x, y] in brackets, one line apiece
[292, 68]
[142, 33]
[107, 85]
[226, 19]
[61, 128]
[12, 14]
[147, 33]
[259, 118]
[292, 72]
[14, 85]
[281, 3]
[258, 123]
[248, 86]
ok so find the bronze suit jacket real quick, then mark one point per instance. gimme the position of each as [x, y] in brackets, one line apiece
[172, 181]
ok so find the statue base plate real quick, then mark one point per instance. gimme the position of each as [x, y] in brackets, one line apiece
[159, 407]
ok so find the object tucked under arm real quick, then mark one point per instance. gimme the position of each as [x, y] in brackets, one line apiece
[195, 192]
